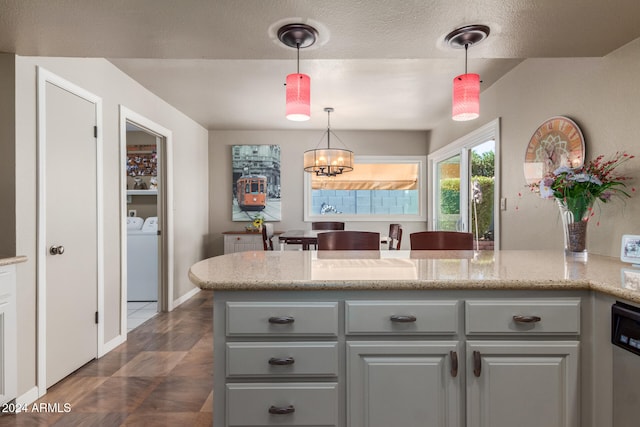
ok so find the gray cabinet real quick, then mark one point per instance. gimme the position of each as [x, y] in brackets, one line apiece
[8, 334]
[290, 404]
[523, 378]
[403, 383]
[378, 359]
[522, 383]
[282, 364]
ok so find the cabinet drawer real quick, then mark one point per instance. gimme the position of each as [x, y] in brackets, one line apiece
[307, 404]
[244, 238]
[529, 317]
[282, 318]
[401, 317]
[282, 359]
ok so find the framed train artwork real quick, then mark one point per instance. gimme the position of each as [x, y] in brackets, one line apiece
[256, 182]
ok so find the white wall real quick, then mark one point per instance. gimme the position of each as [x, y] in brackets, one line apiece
[601, 95]
[190, 187]
[292, 145]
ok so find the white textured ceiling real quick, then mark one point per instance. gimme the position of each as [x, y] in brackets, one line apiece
[380, 64]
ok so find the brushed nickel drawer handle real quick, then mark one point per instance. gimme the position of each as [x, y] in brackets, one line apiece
[402, 318]
[282, 410]
[279, 361]
[526, 319]
[281, 320]
[477, 364]
[454, 363]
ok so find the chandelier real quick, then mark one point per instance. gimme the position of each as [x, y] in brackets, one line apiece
[328, 161]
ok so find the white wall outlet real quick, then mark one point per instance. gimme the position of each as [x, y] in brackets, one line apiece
[133, 212]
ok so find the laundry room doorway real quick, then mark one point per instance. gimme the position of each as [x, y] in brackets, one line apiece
[146, 232]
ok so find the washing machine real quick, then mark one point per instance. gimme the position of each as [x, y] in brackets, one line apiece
[142, 259]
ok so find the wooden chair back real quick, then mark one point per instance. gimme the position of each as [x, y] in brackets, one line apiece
[395, 236]
[267, 235]
[348, 241]
[441, 240]
[327, 225]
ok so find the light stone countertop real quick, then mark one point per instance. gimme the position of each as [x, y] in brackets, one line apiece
[13, 260]
[332, 270]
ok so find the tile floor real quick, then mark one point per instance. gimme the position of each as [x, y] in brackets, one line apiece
[161, 376]
[140, 312]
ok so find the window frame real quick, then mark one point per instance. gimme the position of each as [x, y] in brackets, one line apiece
[421, 161]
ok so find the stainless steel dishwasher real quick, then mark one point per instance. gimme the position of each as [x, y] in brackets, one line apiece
[625, 335]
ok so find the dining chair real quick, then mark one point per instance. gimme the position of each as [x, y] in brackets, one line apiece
[444, 240]
[267, 235]
[327, 225]
[348, 241]
[394, 238]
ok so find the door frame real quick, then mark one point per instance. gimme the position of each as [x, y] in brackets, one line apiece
[463, 146]
[43, 77]
[165, 202]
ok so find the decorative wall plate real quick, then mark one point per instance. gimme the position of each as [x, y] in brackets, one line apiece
[557, 142]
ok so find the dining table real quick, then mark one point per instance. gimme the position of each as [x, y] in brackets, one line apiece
[306, 238]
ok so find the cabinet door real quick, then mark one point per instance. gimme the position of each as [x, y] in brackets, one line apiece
[403, 383]
[522, 383]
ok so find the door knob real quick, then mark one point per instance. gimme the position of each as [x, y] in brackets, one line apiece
[56, 250]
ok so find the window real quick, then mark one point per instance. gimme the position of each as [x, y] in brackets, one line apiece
[380, 188]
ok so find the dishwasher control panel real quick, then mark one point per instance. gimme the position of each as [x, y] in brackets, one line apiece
[625, 327]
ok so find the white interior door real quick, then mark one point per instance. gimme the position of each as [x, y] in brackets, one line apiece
[71, 232]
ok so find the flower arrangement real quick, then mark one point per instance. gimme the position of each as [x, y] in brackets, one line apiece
[577, 189]
[256, 223]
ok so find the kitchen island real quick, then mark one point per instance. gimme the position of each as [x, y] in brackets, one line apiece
[413, 338]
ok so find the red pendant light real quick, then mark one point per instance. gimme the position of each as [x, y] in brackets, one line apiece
[298, 99]
[466, 87]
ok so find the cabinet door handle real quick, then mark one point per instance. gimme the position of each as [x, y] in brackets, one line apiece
[281, 320]
[454, 363]
[402, 318]
[477, 363]
[526, 319]
[281, 361]
[282, 410]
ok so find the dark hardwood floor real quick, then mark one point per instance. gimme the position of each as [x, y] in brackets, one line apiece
[162, 376]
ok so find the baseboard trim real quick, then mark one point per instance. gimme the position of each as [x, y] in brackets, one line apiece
[185, 297]
[108, 346]
[27, 398]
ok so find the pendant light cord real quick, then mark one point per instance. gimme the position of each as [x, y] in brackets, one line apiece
[298, 61]
[328, 130]
[466, 49]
